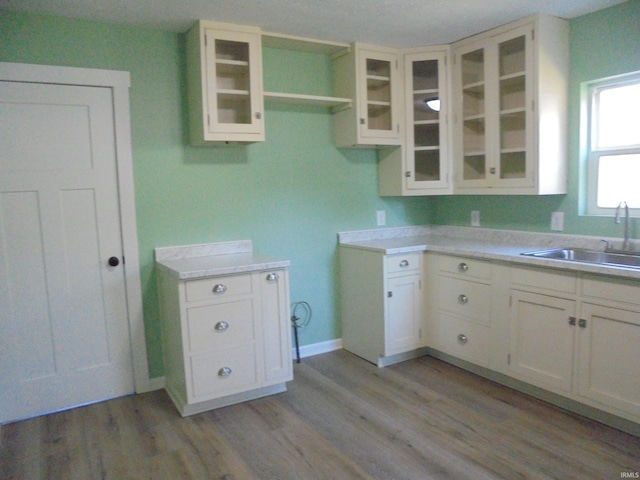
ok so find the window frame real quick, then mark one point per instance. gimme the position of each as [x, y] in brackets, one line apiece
[592, 155]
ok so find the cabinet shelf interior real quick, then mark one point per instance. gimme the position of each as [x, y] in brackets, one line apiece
[427, 165]
[231, 51]
[512, 56]
[474, 167]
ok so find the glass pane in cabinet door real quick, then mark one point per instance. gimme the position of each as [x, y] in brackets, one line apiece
[427, 165]
[513, 125]
[473, 112]
[233, 82]
[379, 94]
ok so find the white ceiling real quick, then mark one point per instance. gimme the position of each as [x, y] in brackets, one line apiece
[393, 23]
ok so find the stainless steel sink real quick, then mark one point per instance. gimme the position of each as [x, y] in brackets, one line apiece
[588, 256]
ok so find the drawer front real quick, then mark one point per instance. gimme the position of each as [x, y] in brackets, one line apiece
[465, 298]
[611, 288]
[220, 326]
[217, 287]
[546, 279]
[220, 373]
[465, 267]
[462, 339]
[410, 262]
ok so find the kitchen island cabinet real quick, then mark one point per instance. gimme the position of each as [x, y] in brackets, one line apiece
[225, 325]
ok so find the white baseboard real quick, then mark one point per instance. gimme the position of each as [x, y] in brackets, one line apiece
[318, 348]
[158, 383]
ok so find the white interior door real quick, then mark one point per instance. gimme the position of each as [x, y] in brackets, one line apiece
[64, 338]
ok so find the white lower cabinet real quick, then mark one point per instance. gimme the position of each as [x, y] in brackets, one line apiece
[576, 335]
[381, 304]
[462, 319]
[609, 345]
[225, 339]
[541, 341]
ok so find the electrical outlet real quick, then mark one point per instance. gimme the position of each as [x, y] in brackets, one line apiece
[381, 218]
[475, 218]
[557, 221]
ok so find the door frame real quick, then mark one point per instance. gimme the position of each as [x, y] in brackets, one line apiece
[119, 83]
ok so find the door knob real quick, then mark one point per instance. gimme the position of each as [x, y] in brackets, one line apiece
[114, 262]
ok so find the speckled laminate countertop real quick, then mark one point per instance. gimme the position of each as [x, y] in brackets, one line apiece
[213, 259]
[500, 245]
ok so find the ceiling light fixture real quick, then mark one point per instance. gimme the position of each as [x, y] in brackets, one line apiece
[433, 103]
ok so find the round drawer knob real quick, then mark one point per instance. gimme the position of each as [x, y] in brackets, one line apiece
[463, 267]
[462, 339]
[221, 326]
[404, 263]
[463, 299]
[224, 372]
[272, 277]
[219, 288]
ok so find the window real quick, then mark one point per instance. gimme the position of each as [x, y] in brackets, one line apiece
[613, 144]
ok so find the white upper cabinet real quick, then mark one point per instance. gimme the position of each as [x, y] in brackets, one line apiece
[224, 77]
[371, 76]
[510, 109]
[421, 165]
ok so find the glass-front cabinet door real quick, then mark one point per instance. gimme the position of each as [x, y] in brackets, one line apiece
[515, 167]
[495, 111]
[473, 115]
[233, 94]
[426, 106]
[224, 79]
[379, 110]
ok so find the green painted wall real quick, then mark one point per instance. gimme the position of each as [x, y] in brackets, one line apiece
[290, 194]
[602, 44]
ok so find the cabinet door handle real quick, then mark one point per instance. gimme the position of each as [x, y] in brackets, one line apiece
[221, 326]
[462, 339]
[258, 115]
[463, 267]
[224, 372]
[404, 263]
[493, 170]
[272, 277]
[582, 323]
[463, 299]
[572, 321]
[219, 288]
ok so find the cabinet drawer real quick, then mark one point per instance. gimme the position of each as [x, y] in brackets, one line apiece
[462, 339]
[410, 262]
[220, 326]
[465, 298]
[611, 288]
[217, 287]
[209, 376]
[468, 267]
[554, 280]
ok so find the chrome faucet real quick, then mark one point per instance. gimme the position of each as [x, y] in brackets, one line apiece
[625, 243]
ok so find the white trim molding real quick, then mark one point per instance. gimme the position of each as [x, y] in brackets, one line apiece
[318, 348]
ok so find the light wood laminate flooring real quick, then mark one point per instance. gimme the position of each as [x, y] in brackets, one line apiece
[342, 418]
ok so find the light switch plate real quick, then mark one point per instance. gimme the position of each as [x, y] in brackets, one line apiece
[381, 218]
